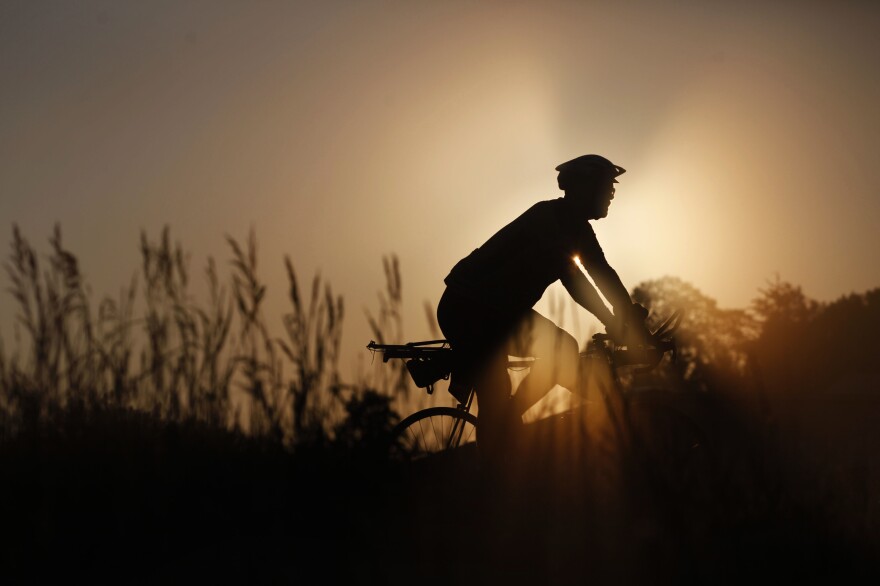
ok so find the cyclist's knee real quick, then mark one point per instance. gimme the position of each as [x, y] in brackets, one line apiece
[568, 353]
[568, 345]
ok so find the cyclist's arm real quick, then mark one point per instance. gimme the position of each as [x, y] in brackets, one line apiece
[609, 283]
[603, 275]
[628, 323]
[583, 292]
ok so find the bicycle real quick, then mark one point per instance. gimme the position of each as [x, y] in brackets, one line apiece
[439, 429]
[417, 436]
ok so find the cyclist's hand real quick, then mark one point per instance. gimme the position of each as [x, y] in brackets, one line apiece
[637, 334]
[629, 329]
[639, 312]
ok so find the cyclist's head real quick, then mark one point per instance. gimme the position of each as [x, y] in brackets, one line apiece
[587, 169]
[588, 182]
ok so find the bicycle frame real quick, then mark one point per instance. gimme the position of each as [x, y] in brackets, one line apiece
[431, 361]
[428, 362]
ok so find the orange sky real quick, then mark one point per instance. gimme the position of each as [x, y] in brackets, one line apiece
[345, 131]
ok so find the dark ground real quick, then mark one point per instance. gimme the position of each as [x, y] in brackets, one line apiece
[779, 495]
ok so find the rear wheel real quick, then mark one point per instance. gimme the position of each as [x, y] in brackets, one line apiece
[432, 431]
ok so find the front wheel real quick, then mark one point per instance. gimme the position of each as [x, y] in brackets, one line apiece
[432, 431]
[674, 442]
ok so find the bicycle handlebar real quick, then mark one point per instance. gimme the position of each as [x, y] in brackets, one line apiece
[647, 356]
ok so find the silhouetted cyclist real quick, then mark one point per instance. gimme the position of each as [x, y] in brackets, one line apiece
[486, 311]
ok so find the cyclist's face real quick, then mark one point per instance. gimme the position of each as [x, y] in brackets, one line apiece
[592, 200]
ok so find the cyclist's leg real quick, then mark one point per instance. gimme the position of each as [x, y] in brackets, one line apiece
[493, 387]
[478, 335]
[557, 359]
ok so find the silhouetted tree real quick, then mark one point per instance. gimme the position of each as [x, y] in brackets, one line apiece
[806, 346]
[784, 302]
[711, 340]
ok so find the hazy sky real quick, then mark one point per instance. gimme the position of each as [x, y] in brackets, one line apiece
[342, 131]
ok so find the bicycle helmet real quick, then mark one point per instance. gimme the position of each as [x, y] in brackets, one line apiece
[588, 167]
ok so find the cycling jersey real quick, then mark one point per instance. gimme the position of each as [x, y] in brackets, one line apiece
[514, 267]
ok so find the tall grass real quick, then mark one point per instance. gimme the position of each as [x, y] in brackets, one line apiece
[215, 362]
[387, 328]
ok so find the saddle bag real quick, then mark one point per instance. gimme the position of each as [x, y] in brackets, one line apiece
[426, 371]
